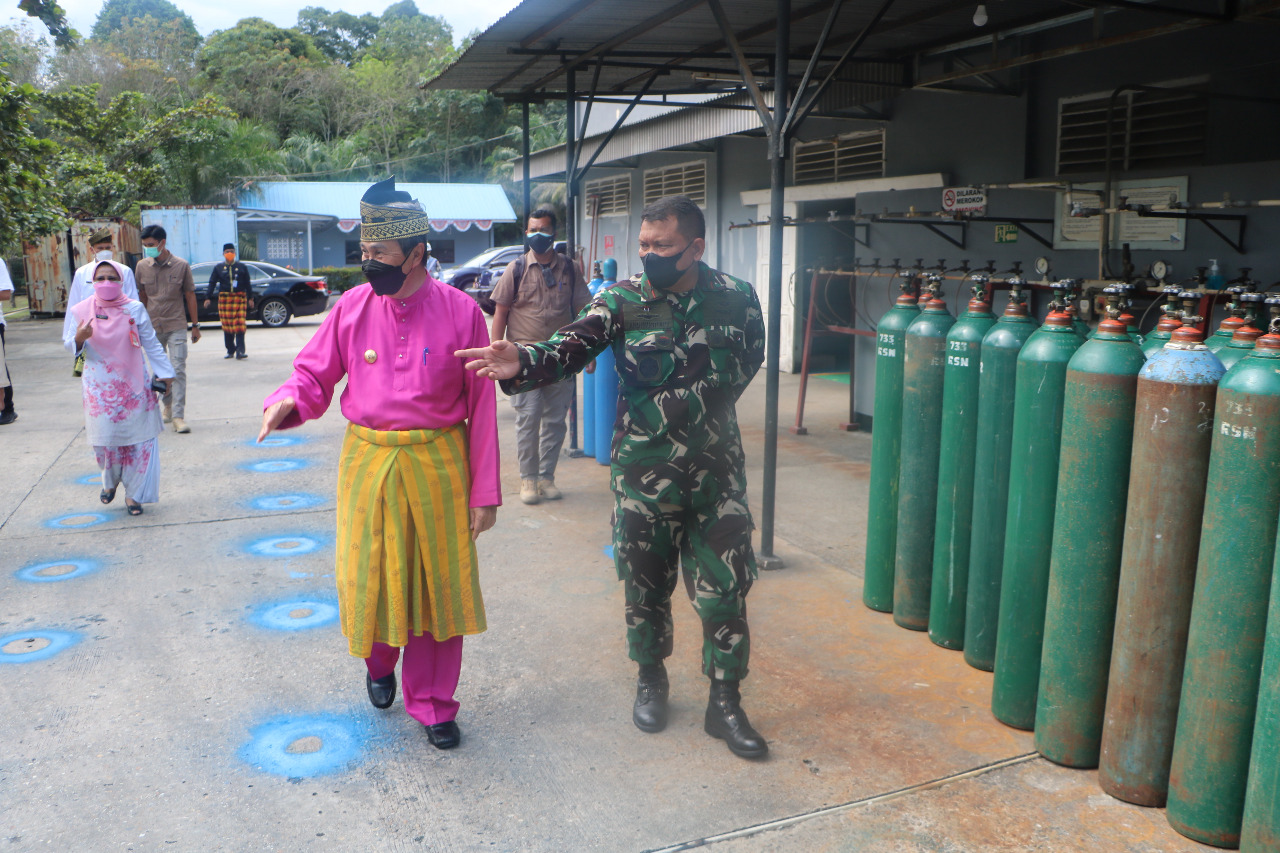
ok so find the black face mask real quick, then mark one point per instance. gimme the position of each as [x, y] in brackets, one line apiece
[662, 272]
[385, 279]
[540, 242]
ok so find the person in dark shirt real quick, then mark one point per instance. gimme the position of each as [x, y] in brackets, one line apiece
[230, 280]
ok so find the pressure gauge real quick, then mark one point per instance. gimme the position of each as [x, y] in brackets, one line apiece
[1042, 266]
[1159, 269]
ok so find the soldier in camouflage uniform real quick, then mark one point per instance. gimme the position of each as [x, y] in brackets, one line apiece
[687, 341]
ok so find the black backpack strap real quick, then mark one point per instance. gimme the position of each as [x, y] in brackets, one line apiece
[518, 263]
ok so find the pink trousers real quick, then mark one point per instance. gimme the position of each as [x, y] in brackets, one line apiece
[428, 678]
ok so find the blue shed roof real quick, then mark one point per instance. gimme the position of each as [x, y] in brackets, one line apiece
[457, 202]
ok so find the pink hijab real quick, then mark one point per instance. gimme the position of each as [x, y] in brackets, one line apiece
[115, 335]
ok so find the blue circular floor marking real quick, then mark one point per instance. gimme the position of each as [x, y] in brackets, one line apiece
[76, 520]
[296, 615]
[285, 546]
[91, 480]
[32, 646]
[277, 441]
[294, 500]
[273, 466]
[303, 746]
[58, 570]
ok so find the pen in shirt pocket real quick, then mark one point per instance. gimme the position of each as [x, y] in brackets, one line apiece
[425, 350]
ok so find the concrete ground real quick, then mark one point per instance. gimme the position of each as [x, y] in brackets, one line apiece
[177, 681]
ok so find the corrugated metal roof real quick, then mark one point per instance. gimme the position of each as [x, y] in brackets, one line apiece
[528, 51]
[466, 202]
[723, 116]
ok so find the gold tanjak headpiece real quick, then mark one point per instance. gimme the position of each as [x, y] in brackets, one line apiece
[390, 214]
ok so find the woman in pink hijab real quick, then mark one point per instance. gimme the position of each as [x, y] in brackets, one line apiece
[121, 416]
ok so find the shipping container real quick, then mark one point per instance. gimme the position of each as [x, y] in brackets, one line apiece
[51, 261]
[196, 233]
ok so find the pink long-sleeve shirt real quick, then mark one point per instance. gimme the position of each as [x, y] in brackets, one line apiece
[413, 381]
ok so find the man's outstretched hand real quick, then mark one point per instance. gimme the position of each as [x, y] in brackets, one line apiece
[499, 360]
[274, 415]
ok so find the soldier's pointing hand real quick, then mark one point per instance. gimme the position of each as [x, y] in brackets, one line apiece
[499, 360]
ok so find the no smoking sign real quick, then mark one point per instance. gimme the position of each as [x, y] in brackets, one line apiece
[960, 199]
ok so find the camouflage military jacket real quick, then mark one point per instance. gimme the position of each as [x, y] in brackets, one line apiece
[683, 360]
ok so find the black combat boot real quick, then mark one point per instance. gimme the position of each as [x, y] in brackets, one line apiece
[652, 687]
[726, 720]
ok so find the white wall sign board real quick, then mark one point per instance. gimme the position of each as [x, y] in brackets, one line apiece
[959, 199]
[1150, 232]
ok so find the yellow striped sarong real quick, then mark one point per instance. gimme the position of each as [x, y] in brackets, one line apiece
[405, 559]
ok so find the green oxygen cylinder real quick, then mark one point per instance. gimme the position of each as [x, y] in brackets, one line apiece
[1126, 317]
[1242, 340]
[951, 538]
[1033, 487]
[1171, 311]
[1088, 536]
[1172, 434]
[1260, 829]
[1208, 775]
[1221, 336]
[1070, 300]
[886, 450]
[996, 384]
[922, 377]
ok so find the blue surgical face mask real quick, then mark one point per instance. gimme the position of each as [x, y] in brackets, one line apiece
[151, 251]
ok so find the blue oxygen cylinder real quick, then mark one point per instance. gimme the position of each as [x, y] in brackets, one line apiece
[605, 380]
[588, 381]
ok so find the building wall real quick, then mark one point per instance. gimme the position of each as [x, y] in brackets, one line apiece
[993, 139]
[288, 247]
[732, 166]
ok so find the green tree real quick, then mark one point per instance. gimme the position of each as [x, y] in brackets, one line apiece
[117, 14]
[145, 55]
[24, 52]
[108, 160]
[407, 35]
[54, 18]
[339, 35]
[261, 71]
[29, 205]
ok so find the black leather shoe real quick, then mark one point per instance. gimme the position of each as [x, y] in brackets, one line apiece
[381, 692]
[230, 355]
[726, 720]
[444, 735]
[650, 711]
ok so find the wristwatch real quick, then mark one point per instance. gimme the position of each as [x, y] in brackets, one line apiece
[191, 326]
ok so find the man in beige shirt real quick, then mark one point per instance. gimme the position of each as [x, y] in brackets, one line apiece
[167, 289]
[549, 294]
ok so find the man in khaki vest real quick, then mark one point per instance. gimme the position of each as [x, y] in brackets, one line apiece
[549, 294]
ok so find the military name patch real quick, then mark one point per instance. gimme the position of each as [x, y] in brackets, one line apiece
[647, 318]
[724, 308]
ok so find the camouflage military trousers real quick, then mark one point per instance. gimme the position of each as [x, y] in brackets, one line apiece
[713, 542]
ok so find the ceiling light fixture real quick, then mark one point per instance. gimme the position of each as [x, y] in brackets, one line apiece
[980, 15]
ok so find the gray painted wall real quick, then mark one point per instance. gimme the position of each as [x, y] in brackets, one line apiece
[329, 245]
[983, 139]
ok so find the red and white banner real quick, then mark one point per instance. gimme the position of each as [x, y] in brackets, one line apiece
[346, 226]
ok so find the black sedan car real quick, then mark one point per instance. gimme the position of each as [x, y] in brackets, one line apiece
[464, 275]
[278, 293]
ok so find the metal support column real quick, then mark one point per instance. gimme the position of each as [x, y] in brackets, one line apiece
[570, 221]
[311, 261]
[777, 176]
[524, 162]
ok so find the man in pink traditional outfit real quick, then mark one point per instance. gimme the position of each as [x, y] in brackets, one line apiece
[418, 479]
